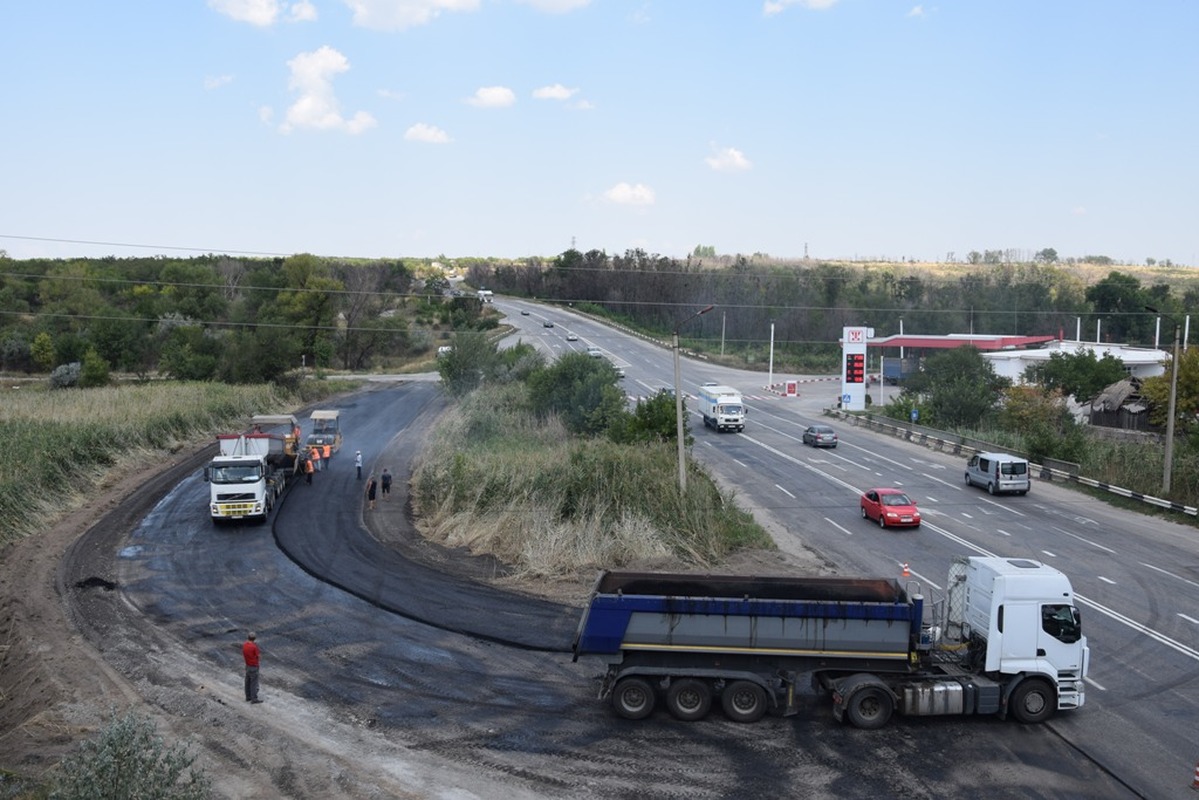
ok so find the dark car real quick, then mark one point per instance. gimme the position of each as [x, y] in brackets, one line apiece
[547, 324]
[820, 436]
[524, 313]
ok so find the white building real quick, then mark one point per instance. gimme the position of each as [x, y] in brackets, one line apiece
[1139, 362]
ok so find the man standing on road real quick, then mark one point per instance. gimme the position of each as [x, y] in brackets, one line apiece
[249, 651]
[385, 483]
[358, 463]
[370, 492]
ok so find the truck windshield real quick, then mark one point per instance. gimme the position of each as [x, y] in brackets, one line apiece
[1062, 623]
[236, 473]
[730, 408]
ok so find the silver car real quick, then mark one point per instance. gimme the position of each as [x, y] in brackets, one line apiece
[820, 436]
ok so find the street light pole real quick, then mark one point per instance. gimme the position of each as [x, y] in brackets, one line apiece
[678, 401]
[1168, 466]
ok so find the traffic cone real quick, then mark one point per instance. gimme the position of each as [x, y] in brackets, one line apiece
[907, 573]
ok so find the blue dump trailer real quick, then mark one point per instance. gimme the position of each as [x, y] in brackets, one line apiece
[1008, 640]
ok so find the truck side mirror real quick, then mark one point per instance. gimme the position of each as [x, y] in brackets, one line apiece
[206, 474]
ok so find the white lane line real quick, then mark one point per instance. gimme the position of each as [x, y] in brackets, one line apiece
[1005, 533]
[738, 463]
[1088, 541]
[1189, 619]
[1097, 685]
[1161, 638]
[1106, 580]
[1051, 555]
[843, 530]
[784, 491]
[1171, 574]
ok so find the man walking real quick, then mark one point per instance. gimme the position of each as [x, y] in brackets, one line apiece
[385, 483]
[249, 651]
[358, 463]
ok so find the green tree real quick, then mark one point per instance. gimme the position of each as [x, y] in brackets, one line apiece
[1048, 255]
[1121, 300]
[43, 352]
[581, 390]
[1186, 402]
[957, 388]
[94, 371]
[1080, 374]
[653, 420]
[189, 354]
[463, 368]
[130, 760]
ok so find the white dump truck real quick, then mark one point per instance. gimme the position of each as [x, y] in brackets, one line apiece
[248, 476]
[722, 407]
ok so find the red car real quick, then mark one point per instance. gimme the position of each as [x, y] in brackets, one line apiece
[890, 508]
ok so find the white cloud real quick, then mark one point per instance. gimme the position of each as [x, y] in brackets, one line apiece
[398, 15]
[303, 11]
[772, 7]
[627, 194]
[266, 114]
[555, 6]
[391, 94]
[917, 11]
[317, 107]
[420, 132]
[555, 92]
[729, 159]
[217, 81]
[492, 97]
[264, 13]
[584, 105]
[1079, 211]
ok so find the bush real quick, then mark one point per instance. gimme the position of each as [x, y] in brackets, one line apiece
[129, 760]
[66, 376]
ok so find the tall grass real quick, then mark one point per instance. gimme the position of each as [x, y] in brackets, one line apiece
[497, 480]
[60, 444]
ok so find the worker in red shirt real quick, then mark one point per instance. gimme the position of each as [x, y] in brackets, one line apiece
[249, 651]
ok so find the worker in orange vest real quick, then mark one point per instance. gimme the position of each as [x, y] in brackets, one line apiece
[308, 469]
[314, 455]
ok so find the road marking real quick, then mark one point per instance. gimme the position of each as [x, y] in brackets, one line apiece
[1189, 619]
[1088, 541]
[1116, 616]
[784, 491]
[1171, 574]
[843, 530]
[1051, 555]
[1097, 685]
[1005, 533]
[1106, 580]
[738, 463]
[967, 516]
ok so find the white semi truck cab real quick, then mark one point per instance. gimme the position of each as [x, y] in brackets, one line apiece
[722, 408]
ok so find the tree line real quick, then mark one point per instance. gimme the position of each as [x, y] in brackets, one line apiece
[217, 317]
[809, 303]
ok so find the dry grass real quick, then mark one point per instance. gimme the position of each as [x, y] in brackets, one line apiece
[61, 443]
[496, 480]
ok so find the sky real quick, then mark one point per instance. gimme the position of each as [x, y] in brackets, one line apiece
[835, 129]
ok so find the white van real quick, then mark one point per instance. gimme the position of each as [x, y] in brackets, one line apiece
[999, 472]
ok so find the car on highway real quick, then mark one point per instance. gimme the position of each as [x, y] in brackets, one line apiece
[547, 324]
[524, 313]
[570, 337]
[890, 508]
[820, 436]
[594, 352]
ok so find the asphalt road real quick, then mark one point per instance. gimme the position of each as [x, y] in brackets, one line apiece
[395, 635]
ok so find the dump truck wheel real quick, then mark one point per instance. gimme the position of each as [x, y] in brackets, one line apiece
[689, 699]
[743, 701]
[870, 708]
[633, 698]
[1033, 701]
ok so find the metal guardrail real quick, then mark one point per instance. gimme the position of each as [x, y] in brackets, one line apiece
[963, 445]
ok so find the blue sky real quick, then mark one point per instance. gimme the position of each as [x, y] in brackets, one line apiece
[510, 128]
